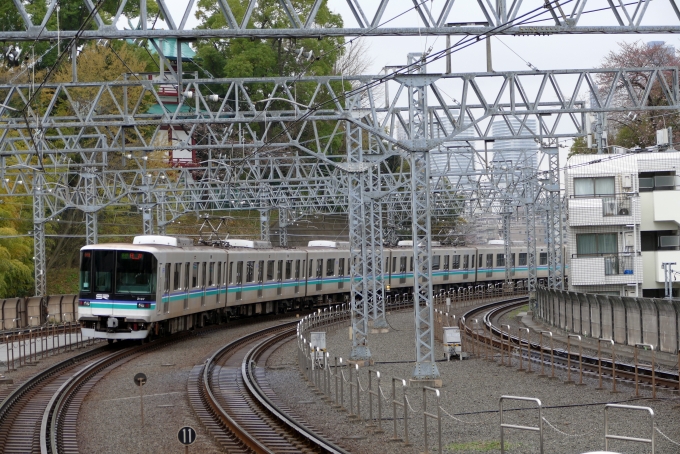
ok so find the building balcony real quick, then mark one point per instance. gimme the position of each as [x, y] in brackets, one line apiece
[616, 209]
[605, 269]
[666, 205]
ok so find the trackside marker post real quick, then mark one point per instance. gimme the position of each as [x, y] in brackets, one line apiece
[186, 436]
[140, 380]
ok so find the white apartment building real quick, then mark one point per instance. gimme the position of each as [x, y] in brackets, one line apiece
[623, 221]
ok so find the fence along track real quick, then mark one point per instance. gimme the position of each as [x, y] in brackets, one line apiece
[624, 371]
[223, 395]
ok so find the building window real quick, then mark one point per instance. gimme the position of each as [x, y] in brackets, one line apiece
[596, 243]
[591, 187]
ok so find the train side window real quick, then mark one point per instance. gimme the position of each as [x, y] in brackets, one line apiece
[297, 269]
[473, 260]
[260, 271]
[231, 272]
[446, 262]
[500, 259]
[489, 260]
[218, 279]
[211, 272]
[466, 261]
[178, 272]
[289, 269]
[250, 271]
[239, 272]
[522, 259]
[279, 270]
[311, 268]
[543, 258]
[270, 270]
[394, 264]
[203, 273]
[168, 268]
[341, 267]
[512, 260]
[411, 262]
[481, 257]
[330, 267]
[319, 267]
[402, 264]
[187, 268]
[194, 275]
[456, 262]
[302, 268]
[436, 262]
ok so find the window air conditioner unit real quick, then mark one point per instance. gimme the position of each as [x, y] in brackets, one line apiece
[624, 211]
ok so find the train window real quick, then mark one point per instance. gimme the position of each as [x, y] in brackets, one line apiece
[279, 270]
[466, 261]
[302, 269]
[330, 267]
[402, 264]
[394, 264]
[104, 266]
[500, 259]
[411, 262]
[481, 257]
[85, 270]
[341, 267]
[289, 269]
[297, 269]
[512, 260]
[260, 271]
[446, 262]
[473, 261]
[319, 267]
[489, 260]
[522, 259]
[311, 268]
[177, 274]
[211, 272]
[231, 272]
[250, 271]
[436, 262]
[203, 273]
[194, 275]
[270, 270]
[543, 258]
[218, 279]
[168, 269]
[239, 272]
[186, 275]
[456, 262]
[135, 272]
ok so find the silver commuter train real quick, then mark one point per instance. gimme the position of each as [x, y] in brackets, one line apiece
[164, 284]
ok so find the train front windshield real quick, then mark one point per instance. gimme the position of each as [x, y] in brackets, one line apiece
[117, 272]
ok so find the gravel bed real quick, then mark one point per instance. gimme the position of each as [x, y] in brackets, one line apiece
[110, 418]
[573, 415]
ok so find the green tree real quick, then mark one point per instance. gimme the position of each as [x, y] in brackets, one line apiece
[16, 251]
[580, 146]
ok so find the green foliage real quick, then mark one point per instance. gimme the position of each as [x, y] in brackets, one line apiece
[16, 252]
[580, 146]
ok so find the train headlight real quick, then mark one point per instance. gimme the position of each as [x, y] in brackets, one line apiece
[84, 303]
[143, 305]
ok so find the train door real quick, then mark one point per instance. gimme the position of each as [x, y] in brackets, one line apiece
[203, 283]
[297, 276]
[187, 282]
[260, 278]
[167, 269]
[279, 277]
[239, 280]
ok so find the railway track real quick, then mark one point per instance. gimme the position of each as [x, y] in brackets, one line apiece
[232, 399]
[496, 339]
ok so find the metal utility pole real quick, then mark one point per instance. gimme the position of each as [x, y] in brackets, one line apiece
[39, 234]
[264, 224]
[530, 183]
[554, 227]
[668, 278]
[425, 368]
[358, 270]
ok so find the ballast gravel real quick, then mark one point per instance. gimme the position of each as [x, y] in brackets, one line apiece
[573, 415]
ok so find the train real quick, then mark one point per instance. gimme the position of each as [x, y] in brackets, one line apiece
[164, 284]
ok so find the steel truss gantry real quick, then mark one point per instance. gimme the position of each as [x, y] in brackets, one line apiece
[534, 17]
